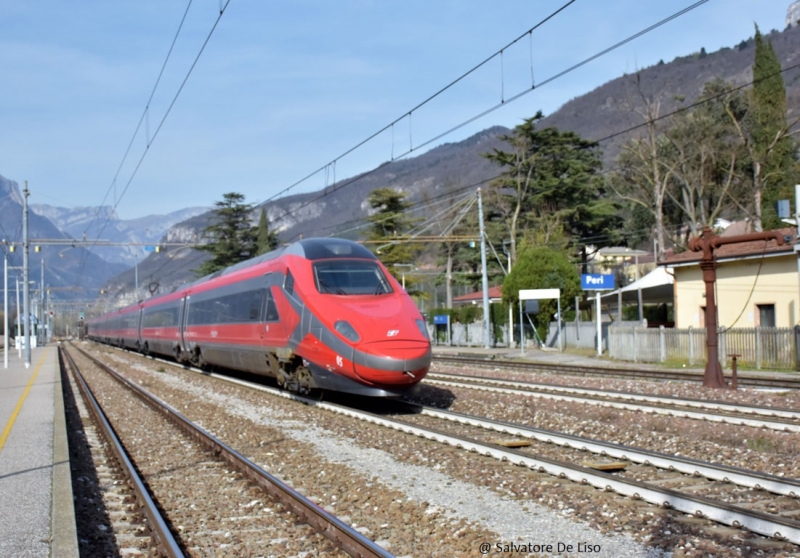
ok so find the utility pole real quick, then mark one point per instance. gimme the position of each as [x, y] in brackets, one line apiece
[18, 336]
[5, 309]
[26, 288]
[40, 331]
[484, 275]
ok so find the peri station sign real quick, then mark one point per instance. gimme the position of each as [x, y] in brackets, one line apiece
[597, 282]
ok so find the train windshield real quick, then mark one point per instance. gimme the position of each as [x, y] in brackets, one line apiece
[350, 277]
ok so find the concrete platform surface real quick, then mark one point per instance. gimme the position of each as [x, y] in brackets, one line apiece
[37, 513]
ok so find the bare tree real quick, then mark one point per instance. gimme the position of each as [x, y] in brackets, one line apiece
[643, 176]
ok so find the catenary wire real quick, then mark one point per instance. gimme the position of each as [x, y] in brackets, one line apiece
[482, 114]
[161, 123]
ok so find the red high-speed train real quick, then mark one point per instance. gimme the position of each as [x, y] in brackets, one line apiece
[321, 313]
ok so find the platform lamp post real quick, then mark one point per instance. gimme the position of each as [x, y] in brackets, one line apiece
[706, 243]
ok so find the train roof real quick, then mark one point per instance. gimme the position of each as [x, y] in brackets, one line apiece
[309, 248]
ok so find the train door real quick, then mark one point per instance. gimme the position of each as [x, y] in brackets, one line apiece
[273, 328]
[139, 341]
[182, 311]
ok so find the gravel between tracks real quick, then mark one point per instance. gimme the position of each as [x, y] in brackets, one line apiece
[768, 451]
[412, 496]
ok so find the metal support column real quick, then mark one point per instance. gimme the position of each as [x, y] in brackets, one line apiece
[26, 288]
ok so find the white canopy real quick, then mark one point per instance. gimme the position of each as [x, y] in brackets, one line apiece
[656, 288]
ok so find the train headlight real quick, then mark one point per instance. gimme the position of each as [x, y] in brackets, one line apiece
[423, 329]
[348, 331]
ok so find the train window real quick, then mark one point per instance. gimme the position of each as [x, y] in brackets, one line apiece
[288, 283]
[160, 317]
[272, 309]
[228, 309]
[350, 277]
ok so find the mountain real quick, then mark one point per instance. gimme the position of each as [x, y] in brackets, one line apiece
[608, 111]
[103, 222]
[610, 108]
[330, 212]
[65, 266]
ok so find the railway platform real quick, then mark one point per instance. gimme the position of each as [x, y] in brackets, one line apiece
[551, 356]
[37, 516]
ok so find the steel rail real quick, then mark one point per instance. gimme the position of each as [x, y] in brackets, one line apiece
[331, 527]
[724, 473]
[762, 410]
[711, 417]
[608, 371]
[728, 514]
[166, 543]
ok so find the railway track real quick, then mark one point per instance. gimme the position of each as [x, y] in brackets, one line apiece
[138, 526]
[739, 514]
[212, 471]
[774, 418]
[759, 503]
[612, 372]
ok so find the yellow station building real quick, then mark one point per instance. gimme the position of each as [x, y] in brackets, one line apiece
[757, 285]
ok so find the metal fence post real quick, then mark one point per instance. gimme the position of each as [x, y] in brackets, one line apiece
[662, 345]
[691, 347]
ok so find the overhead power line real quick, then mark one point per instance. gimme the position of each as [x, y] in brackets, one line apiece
[478, 116]
[145, 116]
[408, 113]
[595, 143]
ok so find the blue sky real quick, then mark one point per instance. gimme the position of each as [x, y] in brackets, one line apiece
[282, 89]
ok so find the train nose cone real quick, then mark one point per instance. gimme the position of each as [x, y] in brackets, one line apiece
[393, 362]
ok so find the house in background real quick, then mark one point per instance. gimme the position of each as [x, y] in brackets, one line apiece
[757, 284]
[495, 296]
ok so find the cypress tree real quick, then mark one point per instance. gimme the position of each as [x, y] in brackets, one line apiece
[769, 122]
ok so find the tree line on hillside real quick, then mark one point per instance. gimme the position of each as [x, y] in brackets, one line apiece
[731, 154]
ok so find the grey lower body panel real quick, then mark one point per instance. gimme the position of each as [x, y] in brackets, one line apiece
[328, 380]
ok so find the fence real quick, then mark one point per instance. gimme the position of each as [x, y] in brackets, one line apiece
[759, 347]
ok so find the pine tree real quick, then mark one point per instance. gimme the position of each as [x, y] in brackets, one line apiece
[267, 240]
[389, 223]
[550, 186]
[232, 238]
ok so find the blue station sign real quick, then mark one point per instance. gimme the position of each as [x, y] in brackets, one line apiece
[441, 319]
[597, 282]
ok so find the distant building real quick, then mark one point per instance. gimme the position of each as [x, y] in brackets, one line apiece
[495, 296]
[793, 14]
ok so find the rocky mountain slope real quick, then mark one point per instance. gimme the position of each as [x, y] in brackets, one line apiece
[102, 222]
[608, 111]
[65, 266]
